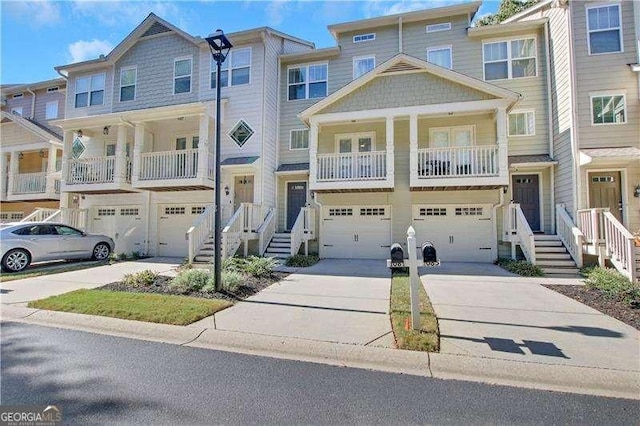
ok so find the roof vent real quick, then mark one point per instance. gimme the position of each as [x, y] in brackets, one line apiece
[401, 66]
[156, 28]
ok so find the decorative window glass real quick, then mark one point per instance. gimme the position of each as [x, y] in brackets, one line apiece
[51, 111]
[597, 179]
[240, 61]
[129, 212]
[181, 142]
[524, 180]
[77, 148]
[90, 90]
[522, 123]
[299, 139]
[605, 29]
[440, 56]
[128, 84]
[363, 65]
[468, 211]
[18, 95]
[433, 211]
[307, 82]
[16, 111]
[444, 26]
[509, 59]
[364, 37]
[106, 212]
[372, 211]
[16, 215]
[174, 210]
[608, 109]
[197, 209]
[241, 133]
[341, 212]
[182, 76]
[110, 150]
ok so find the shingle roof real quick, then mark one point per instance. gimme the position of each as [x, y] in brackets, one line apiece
[238, 161]
[296, 167]
[626, 151]
[519, 159]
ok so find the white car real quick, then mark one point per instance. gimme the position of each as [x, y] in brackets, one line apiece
[27, 242]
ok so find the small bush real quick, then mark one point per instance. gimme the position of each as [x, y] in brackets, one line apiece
[236, 264]
[614, 285]
[135, 255]
[231, 281]
[140, 279]
[302, 261]
[520, 267]
[122, 256]
[190, 280]
[259, 267]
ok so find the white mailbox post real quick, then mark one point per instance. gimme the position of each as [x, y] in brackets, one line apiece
[414, 279]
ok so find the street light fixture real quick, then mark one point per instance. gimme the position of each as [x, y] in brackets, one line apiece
[219, 45]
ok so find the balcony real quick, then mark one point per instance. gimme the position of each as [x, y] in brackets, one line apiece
[367, 170]
[171, 170]
[97, 175]
[33, 186]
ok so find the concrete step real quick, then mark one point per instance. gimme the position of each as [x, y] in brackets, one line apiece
[555, 263]
[564, 270]
[276, 255]
[572, 275]
[548, 243]
[545, 237]
[281, 245]
[203, 259]
[550, 250]
[554, 256]
[271, 249]
[282, 235]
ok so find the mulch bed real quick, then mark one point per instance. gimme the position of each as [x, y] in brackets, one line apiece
[249, 288]
[596, 299]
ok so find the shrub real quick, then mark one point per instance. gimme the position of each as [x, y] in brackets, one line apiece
[236, 264]
[259, 267]
[231, 281]
[122, 256]
[140, 279]
[189, 280]
[520, 267]
[135, 255]
[614, 285]
[302, 261]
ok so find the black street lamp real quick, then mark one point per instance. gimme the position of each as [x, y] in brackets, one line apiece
[219, 45]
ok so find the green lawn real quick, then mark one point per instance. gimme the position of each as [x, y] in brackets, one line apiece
[149, 307]
[38, 271]
[425, 339]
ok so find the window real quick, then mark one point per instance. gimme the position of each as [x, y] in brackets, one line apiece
[90, 90]
[362, 65]
[66, 230]
[106, 212]
[241, 133]
[299, 139]
[16, 111]
[522, 123]
[197, 209]
[445, 26]
[364, 37]
[18, 95]
[307, 81]
[509, 59]
[51, 110]
[175, 210]
[440, 56]
[608, 109]
[372, 211]
[128, 78]
[433, 211]
[341, 212]
[605, 29]
[129, 211]
[240, 61]
[181, 142]
[355, 142]
[182, 76]
[52, 89]
[468, 211]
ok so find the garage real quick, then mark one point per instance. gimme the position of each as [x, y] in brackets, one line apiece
[460, 233]
[356, 232]
[122, 223]
[174, 220]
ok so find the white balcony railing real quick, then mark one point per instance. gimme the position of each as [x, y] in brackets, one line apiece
[180, 164]
[90, 170]
[466, 161]
[357, 166]
[29, 183]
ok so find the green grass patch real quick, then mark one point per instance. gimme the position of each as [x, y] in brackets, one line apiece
[149, 307]
[302, 261]
[425, 339]
[613, 284]
[39, 271]
[520, 267]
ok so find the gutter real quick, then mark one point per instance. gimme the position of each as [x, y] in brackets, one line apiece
[549, 100]
[33, 103]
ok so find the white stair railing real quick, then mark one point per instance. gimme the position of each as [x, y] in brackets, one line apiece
[519, 232]
[39, 215]
[75, 217]
[570, 235]
[302, 230]
[590, 222]
[619, 245]
[232, 234]
[266, 231]
[200, 231]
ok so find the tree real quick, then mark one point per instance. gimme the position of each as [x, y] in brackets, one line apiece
[507, 9]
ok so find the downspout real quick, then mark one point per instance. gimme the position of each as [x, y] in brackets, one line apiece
[147, 201]
[316, 201]
[264, 120]
[33, 103]
[575, 143]
[549, 100]
[495, 208]
[400, 34]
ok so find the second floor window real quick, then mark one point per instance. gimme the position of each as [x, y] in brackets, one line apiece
[605, 30]
[90, 90]
[362, 65]
[608, 109]
[238, 62]
[182, 76]
[509, 59]
[440, 56]
[307, 81]
[299, 139]
[127, 84]
[521, 123]
[51, 111]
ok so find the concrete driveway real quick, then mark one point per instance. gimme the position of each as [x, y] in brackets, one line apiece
[344, 301]
[28, 289]
[488, 312]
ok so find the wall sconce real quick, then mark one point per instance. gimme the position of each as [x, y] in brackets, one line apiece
[20, 155]
[636, 191]
[79, 133]
[105, 130]
[226, 190]
[41, 153]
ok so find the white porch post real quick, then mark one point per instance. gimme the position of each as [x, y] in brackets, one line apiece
[313, 152]
[501, 132]
[138, 145]
[121, 156]
[203, 146]
[390, 144]
[67, 143]
[13, 170]
[5, 175]
[51, 170]
[413, 149]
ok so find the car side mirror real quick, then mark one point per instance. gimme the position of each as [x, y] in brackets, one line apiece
[84, 234]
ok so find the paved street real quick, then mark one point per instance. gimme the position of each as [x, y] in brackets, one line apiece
[96, 378]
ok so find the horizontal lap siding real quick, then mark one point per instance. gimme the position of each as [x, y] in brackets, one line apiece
[416, 40]
[42, 98]
[72, 112]
[14, 134]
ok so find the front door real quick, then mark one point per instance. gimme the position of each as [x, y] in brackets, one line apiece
[604, 191]
[526, 192]
[296, 199]
[242, 191]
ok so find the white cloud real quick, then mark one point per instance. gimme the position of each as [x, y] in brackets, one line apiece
[276, 11]
[382, 7]
[113, 13]
[83, 50]
[40, 12]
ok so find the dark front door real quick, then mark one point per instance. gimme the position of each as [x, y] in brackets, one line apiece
[604, 191]
[526, 192]
[296, 199]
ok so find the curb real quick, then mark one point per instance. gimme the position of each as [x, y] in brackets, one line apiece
[562, 378]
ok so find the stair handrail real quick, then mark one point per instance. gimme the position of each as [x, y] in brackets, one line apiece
[232, 233]
[309, 223]
[253, 217]
[54, 216]
[266, 231]
[524, 234]
[200, 231]
[302, 230]
[509, 222]
[39, 214]
[590, 222]
[619, 245]
[75, 217]
[570, 235]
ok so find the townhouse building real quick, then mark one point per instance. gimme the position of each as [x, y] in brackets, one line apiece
[30, 148]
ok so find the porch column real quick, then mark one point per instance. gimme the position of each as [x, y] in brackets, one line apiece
[390, 144]
[14, 167]
[67, 143]
[413, 149]
[5, 175]
[313, 152]
[120, 169]
[501, 132]
[51, 169]
[203, 146]
[138, 146]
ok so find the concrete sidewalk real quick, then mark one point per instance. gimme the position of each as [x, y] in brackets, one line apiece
[28, 289]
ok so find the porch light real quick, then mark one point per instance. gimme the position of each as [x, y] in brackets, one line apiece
[636, 191]
[219, 45]
[105, 130]
[79, 133]
[41, 153]
[226, 190]
[20, 155]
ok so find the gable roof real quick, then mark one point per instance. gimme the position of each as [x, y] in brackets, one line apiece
[402, 62]
[32, 126]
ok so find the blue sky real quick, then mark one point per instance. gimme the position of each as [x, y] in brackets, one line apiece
[38, 35]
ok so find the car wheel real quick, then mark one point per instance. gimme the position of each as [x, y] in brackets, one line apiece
[16, 260]
[101, 251]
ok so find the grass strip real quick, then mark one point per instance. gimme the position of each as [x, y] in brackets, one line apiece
[48, 270]
[149, 307]
[427, 338]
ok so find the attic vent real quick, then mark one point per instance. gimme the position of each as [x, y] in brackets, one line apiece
[402, 66]
[154, 29]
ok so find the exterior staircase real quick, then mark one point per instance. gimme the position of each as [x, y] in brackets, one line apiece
[206, 252]
[553, 257]
[280, 246]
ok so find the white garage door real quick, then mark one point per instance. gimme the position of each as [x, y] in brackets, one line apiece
[174, 220]
[122, 223]
[460, 233]
[356, 232]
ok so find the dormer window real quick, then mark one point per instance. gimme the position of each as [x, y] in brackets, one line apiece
[364, 37]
